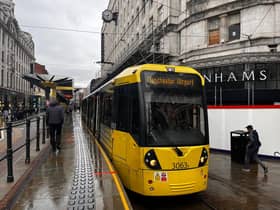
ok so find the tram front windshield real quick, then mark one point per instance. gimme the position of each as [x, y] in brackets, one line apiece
[175, 116]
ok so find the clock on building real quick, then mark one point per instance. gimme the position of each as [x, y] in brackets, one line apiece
[107, 15]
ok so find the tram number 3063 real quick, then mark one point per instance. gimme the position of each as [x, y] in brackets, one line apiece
[180, 165]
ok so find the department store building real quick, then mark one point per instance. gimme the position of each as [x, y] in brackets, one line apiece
[233, 43]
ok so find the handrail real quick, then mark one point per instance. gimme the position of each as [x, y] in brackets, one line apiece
[21, 122]
[15, 150]
[9, 132]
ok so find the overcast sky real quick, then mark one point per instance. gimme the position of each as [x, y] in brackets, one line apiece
[70, 54]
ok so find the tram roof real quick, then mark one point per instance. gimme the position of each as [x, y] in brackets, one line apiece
[139, 68]
[159, 67]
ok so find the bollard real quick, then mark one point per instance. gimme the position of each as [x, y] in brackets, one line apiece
[27, 159]
[38, 135]
[10, 176]
[44, 130]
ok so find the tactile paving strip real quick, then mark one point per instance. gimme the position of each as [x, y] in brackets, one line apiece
[82, 192]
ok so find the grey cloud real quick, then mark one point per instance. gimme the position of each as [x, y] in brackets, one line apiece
[73, 53]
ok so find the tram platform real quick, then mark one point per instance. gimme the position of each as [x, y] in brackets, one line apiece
[81, 177]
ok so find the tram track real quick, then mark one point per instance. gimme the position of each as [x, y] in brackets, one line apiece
[236, 187]
[194, 201]
[206, 203]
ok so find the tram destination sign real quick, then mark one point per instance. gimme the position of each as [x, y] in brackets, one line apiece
[171, 80]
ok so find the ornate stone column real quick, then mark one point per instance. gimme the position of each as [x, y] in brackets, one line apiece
[223, 28]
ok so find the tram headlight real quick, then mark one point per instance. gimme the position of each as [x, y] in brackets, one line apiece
[203, 157]
[153, 163]
[151, 160]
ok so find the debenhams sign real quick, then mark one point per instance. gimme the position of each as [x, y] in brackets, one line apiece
[234, 77]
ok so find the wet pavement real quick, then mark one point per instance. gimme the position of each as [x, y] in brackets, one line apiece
[77, 177]
[232, 188]
[48, 188]
[229, 188]
[21, 172]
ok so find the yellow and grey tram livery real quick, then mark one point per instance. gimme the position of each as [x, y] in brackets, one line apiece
[152, 122]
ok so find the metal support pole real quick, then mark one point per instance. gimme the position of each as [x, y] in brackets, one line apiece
[221, 96]
[10, 176]
[44, 130]
[38, 135]
[47, 93]
[253, 92]
[27, 158]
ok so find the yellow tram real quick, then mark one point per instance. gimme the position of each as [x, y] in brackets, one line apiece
[152, 122]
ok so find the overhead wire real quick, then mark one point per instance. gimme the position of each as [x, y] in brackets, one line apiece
[128, 34]
[262, 20]
[60, 29]
[133, 34]
[94, 32]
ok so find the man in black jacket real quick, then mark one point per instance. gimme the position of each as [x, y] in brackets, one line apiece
[55, 119]
[252, 150]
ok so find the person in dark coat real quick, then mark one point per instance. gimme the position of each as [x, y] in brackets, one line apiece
[55, 119]
[252, 150]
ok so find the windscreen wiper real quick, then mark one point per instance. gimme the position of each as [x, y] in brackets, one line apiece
[178, 152]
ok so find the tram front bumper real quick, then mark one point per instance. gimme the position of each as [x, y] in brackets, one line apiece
[171, 183]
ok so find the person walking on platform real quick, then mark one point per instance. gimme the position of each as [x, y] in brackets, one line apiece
[252, 150]
[55, 119]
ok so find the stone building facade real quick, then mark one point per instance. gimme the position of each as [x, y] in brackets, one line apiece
[233, 43]
[16, 55]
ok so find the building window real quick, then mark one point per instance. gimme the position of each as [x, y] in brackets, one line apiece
[233, 27]
[213, 31]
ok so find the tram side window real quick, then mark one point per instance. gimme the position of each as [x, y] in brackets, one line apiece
[127, 116]
[135, 115]
[123, 113]
[93, 113]
[106, 110]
